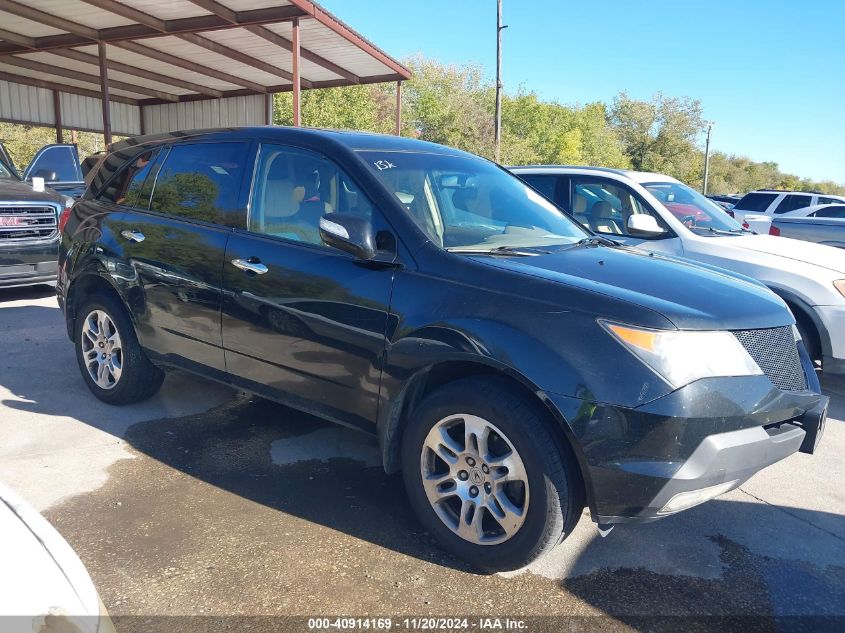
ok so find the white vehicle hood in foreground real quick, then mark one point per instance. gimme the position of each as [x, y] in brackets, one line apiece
[41, 575]
[808, 252]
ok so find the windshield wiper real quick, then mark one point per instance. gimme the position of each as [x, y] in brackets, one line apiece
[712, 231]
[507, 251]
[598, 240]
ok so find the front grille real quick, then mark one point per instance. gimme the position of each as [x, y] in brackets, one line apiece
[775, 351]
[22, 223]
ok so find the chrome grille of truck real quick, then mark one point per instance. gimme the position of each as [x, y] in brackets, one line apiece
[775, 351]
[23, 223]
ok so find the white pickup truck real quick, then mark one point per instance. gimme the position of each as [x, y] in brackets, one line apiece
[661, 214]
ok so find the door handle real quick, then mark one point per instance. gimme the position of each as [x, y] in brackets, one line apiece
[133, 236]
[252, 265]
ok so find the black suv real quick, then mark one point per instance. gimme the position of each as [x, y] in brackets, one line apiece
[513, 365]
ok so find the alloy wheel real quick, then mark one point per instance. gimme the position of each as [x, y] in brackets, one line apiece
[101, 349]
[474, 479]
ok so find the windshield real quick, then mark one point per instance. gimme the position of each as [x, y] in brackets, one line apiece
[465, 203]
[692, 208]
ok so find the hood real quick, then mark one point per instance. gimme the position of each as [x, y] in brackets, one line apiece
[690, 296]
[19, 191]
[41, 574]
[798, 250]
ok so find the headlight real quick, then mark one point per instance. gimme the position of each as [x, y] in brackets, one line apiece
[839, 284]
[681, 357]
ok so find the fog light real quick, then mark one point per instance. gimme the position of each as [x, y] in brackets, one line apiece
[686, 500]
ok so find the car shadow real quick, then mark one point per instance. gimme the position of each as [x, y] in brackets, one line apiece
[26, 293]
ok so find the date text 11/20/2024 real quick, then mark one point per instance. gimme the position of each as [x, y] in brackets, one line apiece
[417, 624]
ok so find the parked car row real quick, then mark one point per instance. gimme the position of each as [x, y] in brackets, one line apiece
[515, 362]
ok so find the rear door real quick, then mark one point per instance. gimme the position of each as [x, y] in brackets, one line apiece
[304, 323]
[173, 237]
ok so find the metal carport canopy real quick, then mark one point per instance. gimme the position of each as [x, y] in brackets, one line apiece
[159, 59]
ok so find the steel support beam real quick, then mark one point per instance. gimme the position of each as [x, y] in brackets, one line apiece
[57, 116]
[398, 123]
[297, 86]
[104, 90]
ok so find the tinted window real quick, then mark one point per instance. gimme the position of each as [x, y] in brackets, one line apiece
[836, 211]
[126, 186]
[792, 202]
[544, 183]
[758, 202]
[202, 182]
[59, 160]
[823, 200]
[294, 188]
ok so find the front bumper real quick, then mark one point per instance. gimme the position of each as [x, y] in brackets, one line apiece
[832, 319]
[714, 433]
[24, 265]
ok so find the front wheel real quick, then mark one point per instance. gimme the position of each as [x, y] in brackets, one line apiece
[110, 358]
[486, 477]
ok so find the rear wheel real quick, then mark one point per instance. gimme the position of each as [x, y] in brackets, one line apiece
[110, 358]
[486, 477]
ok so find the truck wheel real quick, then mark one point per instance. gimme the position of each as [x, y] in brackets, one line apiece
[485, 476]
[112, 362]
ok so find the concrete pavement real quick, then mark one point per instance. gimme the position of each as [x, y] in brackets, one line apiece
[206, 502]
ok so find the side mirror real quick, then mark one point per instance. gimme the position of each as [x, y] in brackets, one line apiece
[644, 225]
[349, 233]
[46, 174]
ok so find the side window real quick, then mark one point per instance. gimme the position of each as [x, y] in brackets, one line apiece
[294, 188]
[756, 202]
[546, 184]
[792, 202]
[125, 188]
[837, 211]
[201, 182]
[823, 200]
[604, 206]
[56, 164]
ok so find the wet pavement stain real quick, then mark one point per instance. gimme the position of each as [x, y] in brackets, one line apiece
[204, 523]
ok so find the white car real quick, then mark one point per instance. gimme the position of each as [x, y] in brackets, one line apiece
[43, 584]
[757, 208]
[819, 211]
[663, 215]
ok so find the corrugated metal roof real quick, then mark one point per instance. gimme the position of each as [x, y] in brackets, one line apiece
[167, 54]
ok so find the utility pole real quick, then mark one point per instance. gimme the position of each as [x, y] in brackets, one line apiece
[707, 158]
[497, 134]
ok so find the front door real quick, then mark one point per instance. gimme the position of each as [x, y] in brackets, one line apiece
[606, 205]
[304, 323]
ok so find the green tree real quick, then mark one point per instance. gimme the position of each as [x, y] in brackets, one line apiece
[661, 134]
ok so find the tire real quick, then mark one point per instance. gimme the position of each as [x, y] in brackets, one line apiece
[129, 375]
[809, 336]
[521, 520]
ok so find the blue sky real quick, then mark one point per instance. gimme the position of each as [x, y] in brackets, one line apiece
[769, 73]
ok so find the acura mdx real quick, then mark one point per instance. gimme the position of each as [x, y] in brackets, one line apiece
[513, 365]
